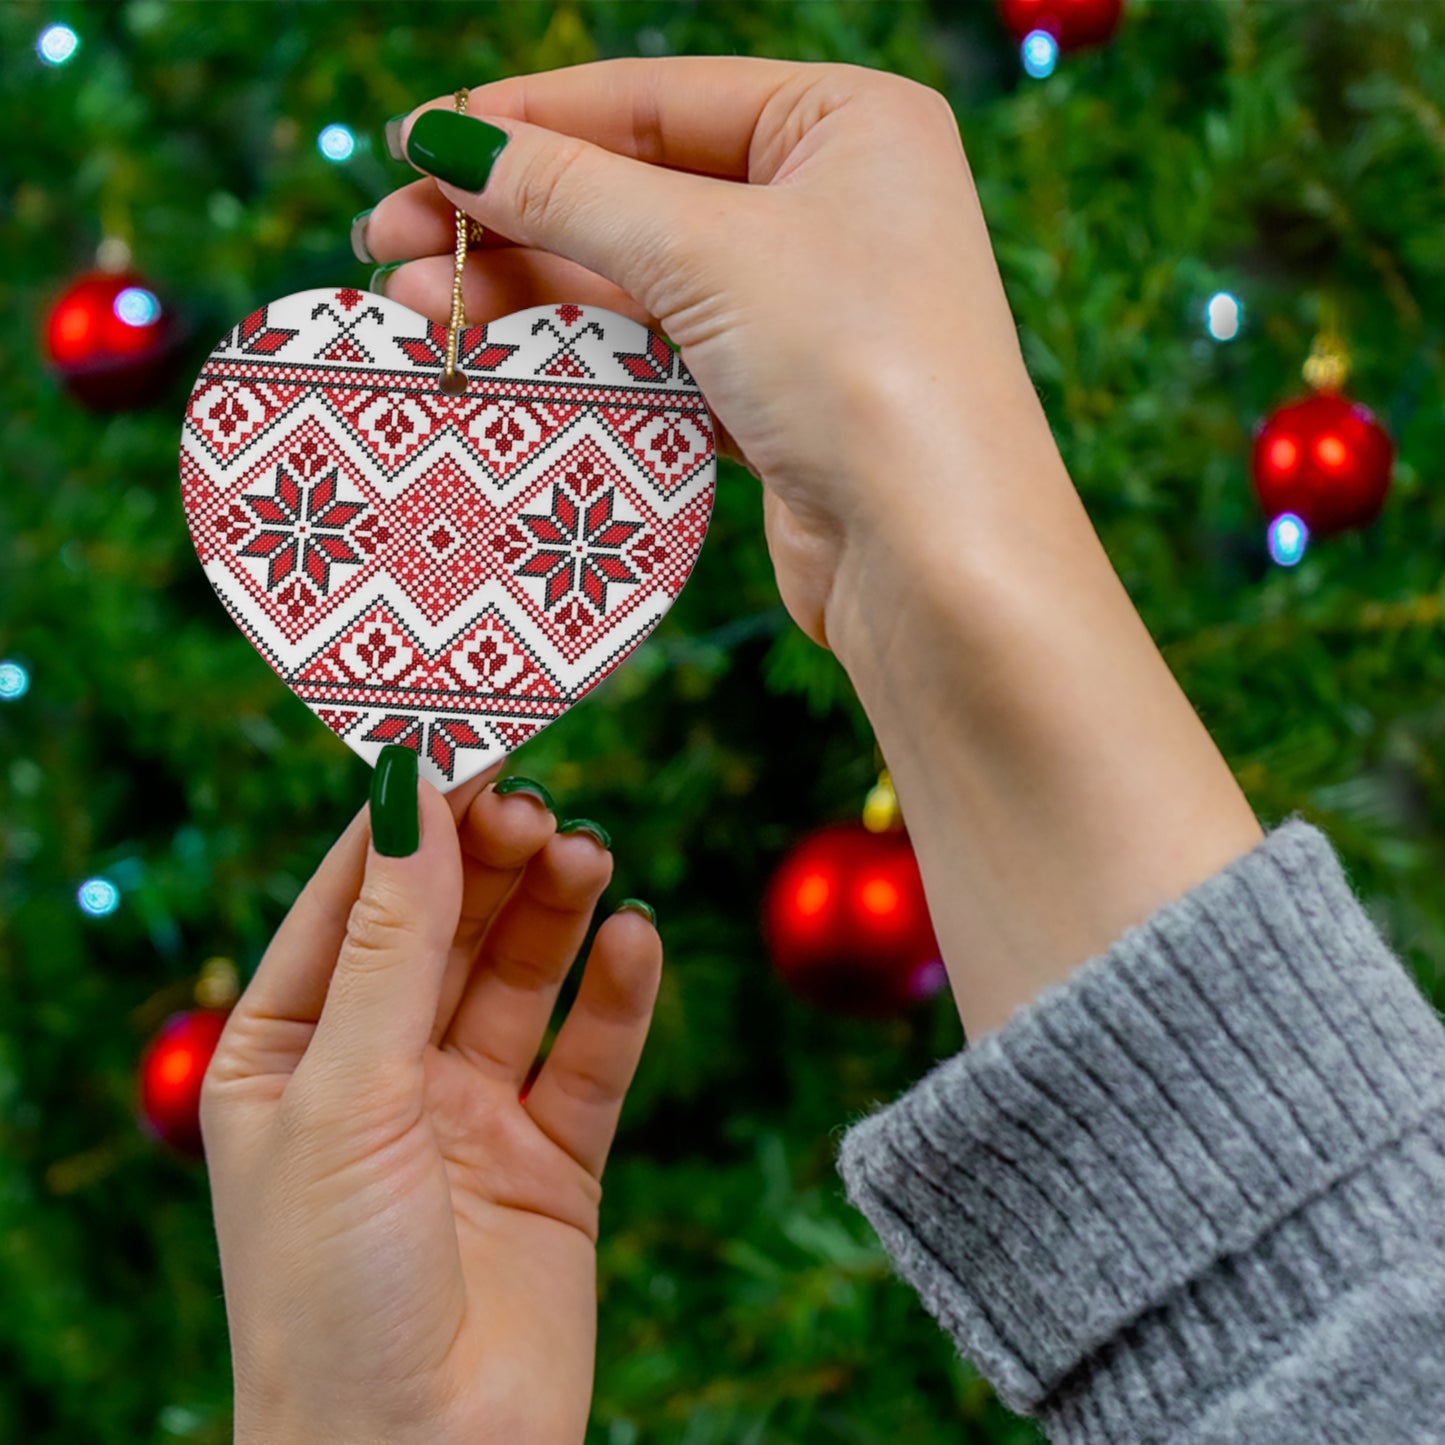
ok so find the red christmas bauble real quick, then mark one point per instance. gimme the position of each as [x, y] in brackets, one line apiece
[1073, 23]
[171, 1071]
[111, 341]
[847, 924]
[1324, 458]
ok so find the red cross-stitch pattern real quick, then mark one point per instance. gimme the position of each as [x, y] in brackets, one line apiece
[446, 573]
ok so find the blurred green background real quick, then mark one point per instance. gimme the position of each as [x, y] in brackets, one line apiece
[1292, 154]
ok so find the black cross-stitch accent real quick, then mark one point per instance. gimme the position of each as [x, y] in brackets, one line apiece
[659, 363]
[345, 330]
[568, 348]
[253, 337]
[476, 351]
[444, 736]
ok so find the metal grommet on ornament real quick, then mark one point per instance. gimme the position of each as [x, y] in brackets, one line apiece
[454, 382]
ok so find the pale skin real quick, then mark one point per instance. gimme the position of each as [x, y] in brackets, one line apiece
[408, 1248]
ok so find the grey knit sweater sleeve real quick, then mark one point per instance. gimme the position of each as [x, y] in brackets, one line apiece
[1197, 1191]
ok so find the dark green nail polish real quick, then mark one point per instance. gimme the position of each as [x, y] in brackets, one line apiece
[636, 905]
[359, 248]
[586, 825]
[527, 786]
[377, 284]
[393, 136]
[395, 824]
[455, 148]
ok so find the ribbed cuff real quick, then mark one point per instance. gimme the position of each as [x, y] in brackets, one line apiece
[1128, 1192]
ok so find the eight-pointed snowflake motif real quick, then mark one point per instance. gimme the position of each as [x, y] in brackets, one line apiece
[302, 529]
[580, 549]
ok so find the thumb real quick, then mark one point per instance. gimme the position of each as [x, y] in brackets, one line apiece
[642, 227]
[382, 999]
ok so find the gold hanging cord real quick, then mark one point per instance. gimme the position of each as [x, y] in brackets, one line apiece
[454, 382]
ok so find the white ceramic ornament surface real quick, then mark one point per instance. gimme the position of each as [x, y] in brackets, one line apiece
[451, 573]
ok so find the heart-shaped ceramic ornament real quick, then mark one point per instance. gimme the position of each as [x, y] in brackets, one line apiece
[450, 573]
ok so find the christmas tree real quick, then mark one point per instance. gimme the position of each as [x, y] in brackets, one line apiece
[1180, 215]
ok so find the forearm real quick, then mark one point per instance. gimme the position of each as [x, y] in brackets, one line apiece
[1056, 782]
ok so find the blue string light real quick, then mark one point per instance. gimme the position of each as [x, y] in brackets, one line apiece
[1223, 316]
[14, 681]
[336, 143]
[136, 306]
[1288, 538]
[1040, 54]
[57, 44]
[98, 897]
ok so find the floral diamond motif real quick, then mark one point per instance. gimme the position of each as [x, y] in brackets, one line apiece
[303, 529]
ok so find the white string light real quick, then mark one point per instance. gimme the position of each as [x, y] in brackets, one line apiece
[1223, 316]
[336, 143]
[57, 44]
[1040, 54]
[1288, 538]
[98, 897]
[14, 681]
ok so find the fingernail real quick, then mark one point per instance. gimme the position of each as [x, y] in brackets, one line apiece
[636, 905]
[393, 137]
[359, 248]
[455, 148]
[525, 785]
[585, 825]
[377, 284]
[395, 824]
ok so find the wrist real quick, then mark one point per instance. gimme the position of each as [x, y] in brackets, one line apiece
[950, 521]
[1057, 784]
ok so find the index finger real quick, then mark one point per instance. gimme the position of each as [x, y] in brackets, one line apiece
[696, 113]
[292, 978]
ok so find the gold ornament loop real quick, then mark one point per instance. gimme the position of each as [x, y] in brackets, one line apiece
[454, 382]
[881, 813]
[219, 985]
[1328, 366]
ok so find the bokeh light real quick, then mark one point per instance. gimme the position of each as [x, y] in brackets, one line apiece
[14, 681]
[1223, 316]
[813, 894]
[1040, 53]
[137, 307]
[98, 897]
[57, 44]
[1282, 455]
[879, 897]
[929, 979]
[1288, 538]
[336, 143]
[177, 1066]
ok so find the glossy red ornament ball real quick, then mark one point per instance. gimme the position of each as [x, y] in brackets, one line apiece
[1073, 23]
[847, 924]
[1324, 458]
[111, 341]
[171, 1071]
